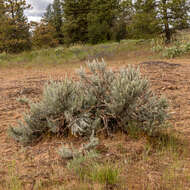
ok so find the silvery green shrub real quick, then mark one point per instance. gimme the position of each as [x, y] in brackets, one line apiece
[103, 100]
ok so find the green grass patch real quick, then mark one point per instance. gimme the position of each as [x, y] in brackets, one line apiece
[76, 53]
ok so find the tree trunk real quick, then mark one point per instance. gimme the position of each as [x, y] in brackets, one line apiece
[166, 22]
[167, 33]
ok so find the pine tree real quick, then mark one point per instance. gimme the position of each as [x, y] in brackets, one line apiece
[53, 17]
[173, 14]
[75, 26]
[180, 10]
[94, 21]
[57, 15]
[145, 23]
[48, 15]
[102, 18]
[15, 33]
[2, 24]
[44, 36]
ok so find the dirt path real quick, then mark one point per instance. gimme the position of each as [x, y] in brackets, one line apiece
[173, 82]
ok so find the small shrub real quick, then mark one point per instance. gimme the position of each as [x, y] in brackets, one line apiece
[172, 52]
[157, 45]
[59, 51]
[3, 56]
[101, 101]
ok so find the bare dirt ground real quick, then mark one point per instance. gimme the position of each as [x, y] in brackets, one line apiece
[41, 161]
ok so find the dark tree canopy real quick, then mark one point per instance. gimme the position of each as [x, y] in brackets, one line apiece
[90, 21]
[14, 31]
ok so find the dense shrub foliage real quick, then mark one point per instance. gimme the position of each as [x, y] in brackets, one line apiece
[103, 100]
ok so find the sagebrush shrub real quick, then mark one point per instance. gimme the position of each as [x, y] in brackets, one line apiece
[103, 100]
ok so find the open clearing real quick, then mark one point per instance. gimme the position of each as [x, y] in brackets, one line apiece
[40, 167]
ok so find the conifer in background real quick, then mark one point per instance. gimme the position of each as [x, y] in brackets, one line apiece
[173, 14]
[103, 16]
[2, 24]
[15, 34]
[53, 18]
[75, 26]
[145, 23]
[44, 36]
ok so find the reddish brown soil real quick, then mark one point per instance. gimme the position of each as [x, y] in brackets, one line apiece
[40, 161]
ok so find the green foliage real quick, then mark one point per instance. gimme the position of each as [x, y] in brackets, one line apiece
[105, 174]
[83, 164]
[101, 20]
[87, 169]
[75, 24]
[176, 50]
[93, 21]
[44, 36]
[173, 15]
[3, 56]
[59, 51]
[157, 44]
[145, 23]
[102, 100]
[172, 52]
[53, 18]
[14, 30]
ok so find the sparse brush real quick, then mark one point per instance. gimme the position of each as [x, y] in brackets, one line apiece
[59, 51]
[68, 153]
[101, 101]
[83, 165]
[172, 52]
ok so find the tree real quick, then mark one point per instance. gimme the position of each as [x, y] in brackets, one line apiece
[101, 20]
[124, 16]
[48, 15]
[93, 21]
[173, 14]
[2, 24]
[15, 35]
[44, 36]
[145, 23]
[57, 15]
[2, 8]
[75, 26]
[53, 17]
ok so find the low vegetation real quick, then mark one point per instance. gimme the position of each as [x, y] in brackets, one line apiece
[99, 101]
[77, 53]
[177, 48]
